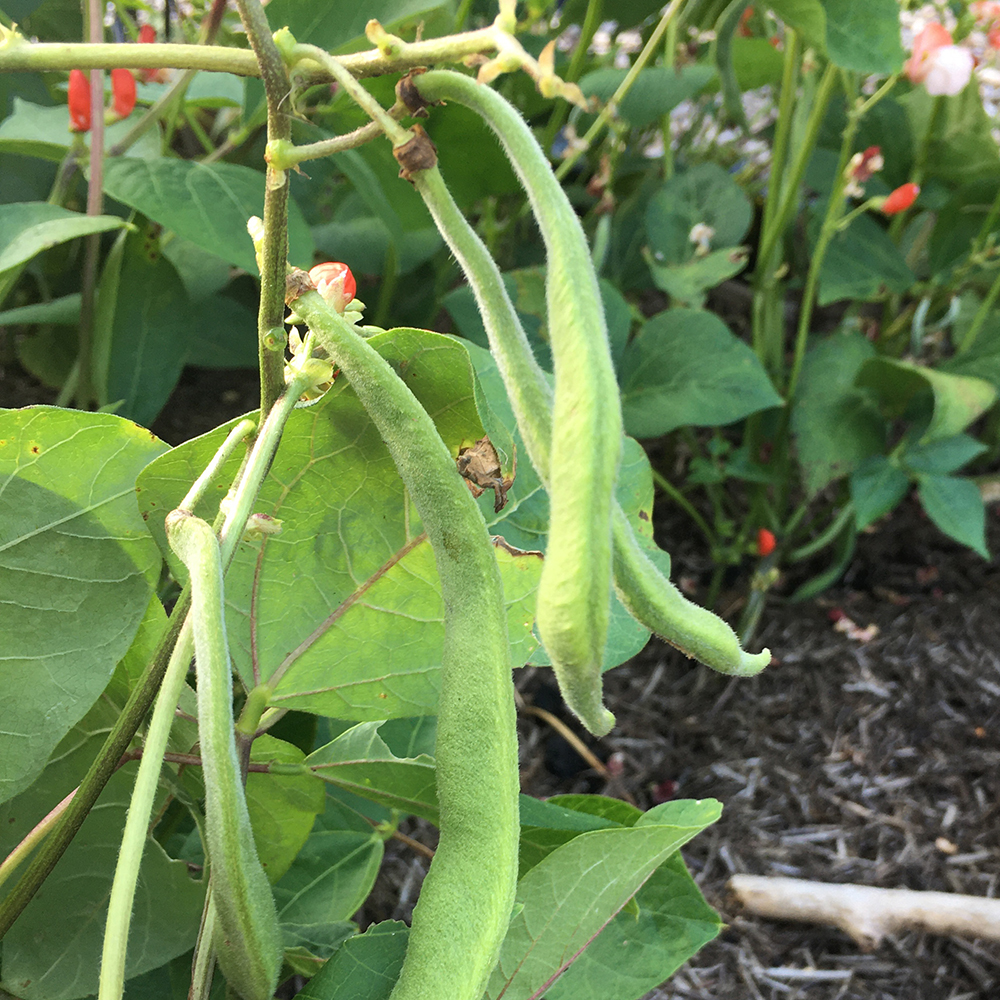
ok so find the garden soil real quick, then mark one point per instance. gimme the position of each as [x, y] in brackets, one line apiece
[869, 756]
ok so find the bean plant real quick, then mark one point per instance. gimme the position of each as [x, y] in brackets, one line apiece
[354, 569]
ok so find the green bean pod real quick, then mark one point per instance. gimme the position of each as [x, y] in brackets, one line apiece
[247, 939]
[586, 440]
[465, 903]
[647, 594]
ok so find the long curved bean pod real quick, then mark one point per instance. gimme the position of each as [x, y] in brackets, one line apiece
[586, 441]
[466, 899]
[247, 940]
[648, 595]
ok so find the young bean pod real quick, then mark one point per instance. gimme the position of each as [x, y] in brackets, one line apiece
[586, 440]
[248, 939]
[465, 902]
[643, 589]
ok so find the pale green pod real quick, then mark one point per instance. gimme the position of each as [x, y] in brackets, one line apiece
[465, 902]
[586, 440]
[643, 589]
[247, 938]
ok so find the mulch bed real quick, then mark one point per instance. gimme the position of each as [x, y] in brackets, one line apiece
[871, 762]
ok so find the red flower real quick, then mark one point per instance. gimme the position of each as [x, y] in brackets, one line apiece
[766, 542]
[79, 101]
[744, 29]
[900, 199]
[335, 283]
[934, 36]
[147, 33]
[122, 92]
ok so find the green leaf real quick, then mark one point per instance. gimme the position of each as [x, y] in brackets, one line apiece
[834, 423]
[860, 263]
[687, 283]
[982, 359]
[76, 568]
[150, 328]
[656, 91]
[33, 130]
[961, 147]
[877, 485]
[352, 550]
[864, 37]
[636, 952]
[686, 368]
[942, 456]
[365, 968]
[282, 807]
[807, 17]
[326, 883]
[214, 90]
[28, 228]
[550, 815]
[206, 203]
[958, 399]
[956, 507]
[703, 194]
[50, 953]
[558, 912]
[336, 27]
[64, 311]
[360, 762]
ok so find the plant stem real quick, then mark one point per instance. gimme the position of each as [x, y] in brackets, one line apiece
[686, 505]
[116, 928]
[969, 337]
[273, 254]
[624, 87]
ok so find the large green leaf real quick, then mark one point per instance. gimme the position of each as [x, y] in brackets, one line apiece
[637, 951]
[76, 567]
[704, 194]
[861, 263]
[366, 967]
[52, 951]
[360, 762]
[28, 228]
[877, 485]
[282, 807]
[686, 368]
[206, 203]
[151, 324]
[565, 901]
[33, 130]
[864, 37]
[342, 611]
[955, 505]
[958, 399]
[834, 423]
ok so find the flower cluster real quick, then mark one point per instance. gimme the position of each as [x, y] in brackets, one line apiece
[122, 98]
[941, 66]
[860, 170]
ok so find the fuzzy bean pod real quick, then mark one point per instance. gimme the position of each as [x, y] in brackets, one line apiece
[647, 594]
[247, 939]
[586, 441]
[465, 903]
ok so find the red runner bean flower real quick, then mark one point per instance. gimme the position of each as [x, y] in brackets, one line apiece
[900, 199]
[766, 542]
[122, 92]
[79, 101]
[335, 283]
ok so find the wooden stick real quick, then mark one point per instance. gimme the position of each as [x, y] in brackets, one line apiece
[865, 913]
